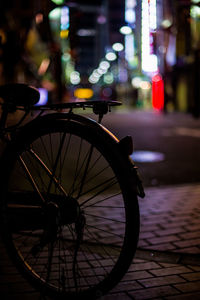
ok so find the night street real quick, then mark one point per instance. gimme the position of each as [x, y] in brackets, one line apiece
[75, 220]
[176, 135]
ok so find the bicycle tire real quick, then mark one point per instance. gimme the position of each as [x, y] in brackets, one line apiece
[84, 253]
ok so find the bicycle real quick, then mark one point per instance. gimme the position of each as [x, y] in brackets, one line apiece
[69, 209]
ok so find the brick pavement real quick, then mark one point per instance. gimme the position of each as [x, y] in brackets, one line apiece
[170, 218]
[167, 263]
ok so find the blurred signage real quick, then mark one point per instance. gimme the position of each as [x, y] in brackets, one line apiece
[83, 93]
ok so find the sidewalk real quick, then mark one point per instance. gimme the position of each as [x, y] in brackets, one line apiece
[167, 263]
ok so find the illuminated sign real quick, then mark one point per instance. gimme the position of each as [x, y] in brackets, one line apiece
[82, 93]
[130, 11]
[149, 59]
[157, 92]
[43, 96]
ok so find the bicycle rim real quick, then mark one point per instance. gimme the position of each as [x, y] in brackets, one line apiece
[71, 219]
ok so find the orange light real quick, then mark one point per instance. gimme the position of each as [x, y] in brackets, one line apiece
[83, 93]
[39, 18]
[157, 92]
[44, 66]
[64, 34]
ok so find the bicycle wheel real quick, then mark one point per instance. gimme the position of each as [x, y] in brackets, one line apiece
[70, 211]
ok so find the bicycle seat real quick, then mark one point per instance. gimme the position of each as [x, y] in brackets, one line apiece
[19, 94]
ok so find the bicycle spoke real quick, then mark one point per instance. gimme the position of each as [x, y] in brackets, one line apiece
[107, 187]
[48, 172]
[56, 161]
[31, 180]
[94, 204]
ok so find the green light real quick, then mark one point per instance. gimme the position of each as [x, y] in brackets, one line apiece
[195, 11]
[108, 78]
[58, 2]
[55, 14]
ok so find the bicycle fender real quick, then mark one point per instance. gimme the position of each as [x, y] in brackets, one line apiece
[125, 145]
[77, 118]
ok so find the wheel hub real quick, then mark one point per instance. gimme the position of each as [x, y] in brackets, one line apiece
[65, 209]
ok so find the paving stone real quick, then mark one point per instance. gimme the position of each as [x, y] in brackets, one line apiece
[144, 266]
[187, 243]
[137, 275]
[193, 227]
[126, 286]
[161, 247]
[152, 228]
[192, 250]
[119, 296]
[143, 244]
[189, 235]
[158, 281]
[194, 296]
[170, 271]
[165, 239]
[170, 231]
[188, 286]
[195, 268]
[148, 234]
[155, 292]
[171, 224]
[191, 276]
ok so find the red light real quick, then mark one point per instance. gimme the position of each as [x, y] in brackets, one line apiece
[157, 92]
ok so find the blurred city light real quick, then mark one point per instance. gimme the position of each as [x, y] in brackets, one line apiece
[108, 78]
[82, 93]
[145, 85]
[130, 16]
[118, 47]
[101, 71]
[104, 65]
[96, 73]
[147, 156]
[155, 40]
[111, 56]
[157, 92]
[92, 79]
[125, 30]
[195, 11]
[44, 66]
[64, 34]
[101, 19]
[75, 77]
[64, 22]
[166, 23]
[39, 18]
[58, 2]
[86, 32]
[55, 14]
[66, 57]
[129, 49]
[43, 97]
[149, 59]
[136, 81]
